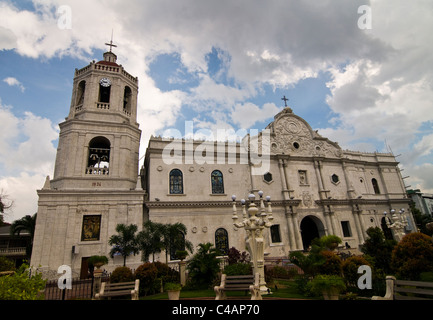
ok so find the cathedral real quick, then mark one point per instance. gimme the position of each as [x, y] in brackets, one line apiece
[314, 186]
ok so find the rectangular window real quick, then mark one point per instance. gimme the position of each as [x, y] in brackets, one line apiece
[346, 229]
[91, 228]
[275, 233]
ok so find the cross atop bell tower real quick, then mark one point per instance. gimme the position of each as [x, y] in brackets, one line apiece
[111, 44]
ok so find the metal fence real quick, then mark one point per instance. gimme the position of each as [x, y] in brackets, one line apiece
[81, 289]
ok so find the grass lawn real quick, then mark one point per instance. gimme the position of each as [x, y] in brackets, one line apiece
[280, 289]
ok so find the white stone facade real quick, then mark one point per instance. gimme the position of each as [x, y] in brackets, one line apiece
[316, 188]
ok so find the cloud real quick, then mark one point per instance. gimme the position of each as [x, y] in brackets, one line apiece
[14, 82]
[421, 177]
[8, 40]
[247, 114]
[381, 80]
[26, 157]
[21, 189]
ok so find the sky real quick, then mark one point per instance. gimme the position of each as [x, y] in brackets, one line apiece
[360, 72]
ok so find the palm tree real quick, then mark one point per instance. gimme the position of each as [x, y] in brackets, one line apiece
[204, 265]
[125, 242]
[150, 239]
[173, 239]
[27, 223]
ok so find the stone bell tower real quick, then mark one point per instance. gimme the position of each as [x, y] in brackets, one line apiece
[96, 183]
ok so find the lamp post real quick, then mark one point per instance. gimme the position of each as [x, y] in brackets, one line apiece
[396, 224]
[254, 221]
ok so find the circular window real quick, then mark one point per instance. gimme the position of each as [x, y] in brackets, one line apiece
[296, 145]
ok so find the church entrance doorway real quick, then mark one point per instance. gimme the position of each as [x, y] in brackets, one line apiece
[84, 272]
[311, 228]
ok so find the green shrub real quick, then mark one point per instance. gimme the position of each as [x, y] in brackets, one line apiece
[332, 263]
[6, 264]
[122, 274]
[238, 269]
[165, 273]
[97, 260]
[279, 272]
[172, 286]
[147, 274]
[329, 242]
[412, 256]
[20, 286]
[379, 249]
[204, 266]
[350, 269]
[327, 283]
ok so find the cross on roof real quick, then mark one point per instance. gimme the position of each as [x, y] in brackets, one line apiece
[111, 45]
[285, 100]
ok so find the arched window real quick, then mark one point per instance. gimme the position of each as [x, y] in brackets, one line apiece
[176, 182]
[99, 156]
[222, 241]
[81, 89]
[375, 186]
[176, 245]
[104, 93]
[127, 99]
[217, 182]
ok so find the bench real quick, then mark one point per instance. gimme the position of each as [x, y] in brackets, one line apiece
[109, 290]
[394, 288]
[239, 283]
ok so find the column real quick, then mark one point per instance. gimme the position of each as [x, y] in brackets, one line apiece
[253, 189]
[296, 231]
[289, 217]
[358, 226]
[283, 179]
[350, 190]
[322, 191]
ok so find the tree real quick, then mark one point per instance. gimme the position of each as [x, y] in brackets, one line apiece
[5, 204]
[156, 237]
[412, 256]
[311, 263]
[421, 219]
[173, 239]
[150, 239]
[204, 266]
[379, 248]
[22, 285]
[27, 223]
[125, 242]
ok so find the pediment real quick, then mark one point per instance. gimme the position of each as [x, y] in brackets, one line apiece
[292, 135]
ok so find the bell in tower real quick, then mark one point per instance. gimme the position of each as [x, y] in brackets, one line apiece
[96, 182]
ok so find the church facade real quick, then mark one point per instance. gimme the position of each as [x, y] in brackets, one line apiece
[315, 187]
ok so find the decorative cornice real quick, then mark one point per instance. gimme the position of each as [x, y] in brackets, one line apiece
[345, 202]
[211, 204]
